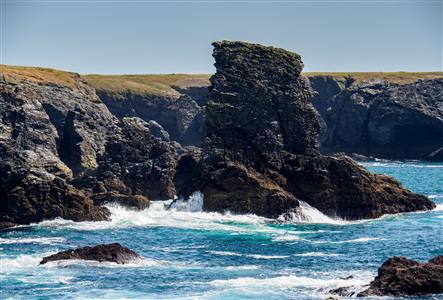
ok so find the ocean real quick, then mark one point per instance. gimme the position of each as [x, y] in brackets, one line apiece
[189, 254]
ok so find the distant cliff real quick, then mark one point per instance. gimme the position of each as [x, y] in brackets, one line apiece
[385, 115]
[397, 116]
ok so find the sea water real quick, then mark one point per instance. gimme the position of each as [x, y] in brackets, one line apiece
[189, 254]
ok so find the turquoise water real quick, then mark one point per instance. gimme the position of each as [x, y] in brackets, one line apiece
[195, 255]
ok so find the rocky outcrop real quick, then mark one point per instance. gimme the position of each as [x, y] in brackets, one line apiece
[34, 174]
[115, 253]
[64, 154]
[260, 153]
[134, 163]
[399, 276]
[179, 114]
[381, 119]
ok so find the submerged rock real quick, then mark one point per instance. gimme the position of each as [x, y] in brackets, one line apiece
[399, 276]
[260, 152]
[115, 253]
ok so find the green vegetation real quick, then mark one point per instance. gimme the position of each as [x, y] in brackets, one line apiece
[393, 77]
[161, 84]
[39, 75]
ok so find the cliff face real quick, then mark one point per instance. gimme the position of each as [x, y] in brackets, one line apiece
[174, 101]
[381, 119]
[260, 153]
[61, 148]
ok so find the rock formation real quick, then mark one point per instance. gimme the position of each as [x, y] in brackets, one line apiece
[399, 276]
[260, 153]
[115, 253]
[179, 114]
[64, 154]
[381, 119]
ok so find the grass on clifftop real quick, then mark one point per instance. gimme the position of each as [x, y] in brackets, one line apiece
[393, 77]
[38, 75]
[161, 84]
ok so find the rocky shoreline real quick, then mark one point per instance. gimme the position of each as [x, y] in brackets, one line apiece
[66, 152]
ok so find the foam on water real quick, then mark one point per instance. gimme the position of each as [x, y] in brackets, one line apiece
[318, 254]
[37, 240]
[256, 256]
[357, 240]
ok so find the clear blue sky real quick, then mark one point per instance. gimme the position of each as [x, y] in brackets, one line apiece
[115, 37]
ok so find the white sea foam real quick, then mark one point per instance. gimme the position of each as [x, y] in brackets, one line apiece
[142, 262]
[396, 164]
[287, 281]
[439, 207]
[256, 256]
[239, 268]
[284, 238]
[358, 240]
[308, 214]
[317, 254]
[36, 240]
[435, 196]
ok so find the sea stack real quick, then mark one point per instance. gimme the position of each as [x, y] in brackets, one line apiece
[260, 152]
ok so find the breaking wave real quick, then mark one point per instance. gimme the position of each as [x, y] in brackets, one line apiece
[37, 240]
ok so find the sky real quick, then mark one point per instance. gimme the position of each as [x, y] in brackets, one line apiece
[155, 36]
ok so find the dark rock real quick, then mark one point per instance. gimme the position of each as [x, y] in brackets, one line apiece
[345, 291]
[339, 187]
[131, 201]
[174, 112]
[260, 153]
[381, 119]
[134, 163]
[33, 197]
[115, 253]
[157, 130]
[399, 276]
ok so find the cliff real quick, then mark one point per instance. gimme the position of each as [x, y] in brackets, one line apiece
[386, 119]
[260, 153]
[61, 148]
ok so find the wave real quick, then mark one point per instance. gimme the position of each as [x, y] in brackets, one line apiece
[398, 164]
[142, 262]
[435, 196]
[37, 240]
[256, 256]
[305, 213]
[358, 240]
[317, 254]
[287, 281]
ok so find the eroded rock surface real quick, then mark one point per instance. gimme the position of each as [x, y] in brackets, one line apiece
[381, 119]
[399, 276]
[115, 253]
[260, 152]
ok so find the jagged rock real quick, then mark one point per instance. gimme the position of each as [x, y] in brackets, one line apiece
[60, 146]
[157, 130]
[260, 153]
[175, 113]
[32, 197]
[339, 187]
[115, 253]
[33, 179]
[399, 276]
[382, 119]
[134, 163]
[131, 201]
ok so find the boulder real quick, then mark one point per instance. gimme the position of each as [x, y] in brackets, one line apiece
[399, 276]
[130, 201]
[115, 253]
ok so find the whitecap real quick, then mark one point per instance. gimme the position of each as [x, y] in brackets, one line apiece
[284, 238]
[36, 240]
[256, 256]
[287, 281]
[239, 268]
[317, 254]
[142, 262]
[358, 240]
